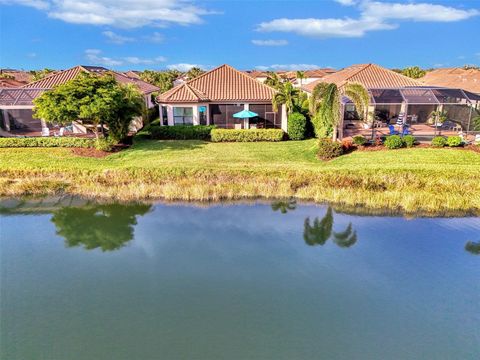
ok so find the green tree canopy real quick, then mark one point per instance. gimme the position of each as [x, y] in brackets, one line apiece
[108, 227]
[93, 99]
[40, 74]
[284, 205]
[163, 79]
[194, 72]
[414, 72]
[287, 95]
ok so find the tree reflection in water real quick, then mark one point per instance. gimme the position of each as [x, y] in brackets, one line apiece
[108, 227]
[284, 205]
[318, 232]
[473, 247]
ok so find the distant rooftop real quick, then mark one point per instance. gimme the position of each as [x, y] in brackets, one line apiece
[468, 79]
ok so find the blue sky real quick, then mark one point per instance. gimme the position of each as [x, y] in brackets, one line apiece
[159, 34]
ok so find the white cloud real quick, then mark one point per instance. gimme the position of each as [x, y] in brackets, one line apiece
[346, 2]
[324, 28]
[120, 13]
[116, 38]
[415, 12]
[156, 37]
[374, 16]
[183, 67]
[270, 42]
[287, 67]
[32, 55]
[37, 4]
[94, 56]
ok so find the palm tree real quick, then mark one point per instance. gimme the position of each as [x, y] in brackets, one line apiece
[346, 238]
[320, 231]
[274, 80]
[300, 76]
[284, 206]
[326, 105]
[287, 95]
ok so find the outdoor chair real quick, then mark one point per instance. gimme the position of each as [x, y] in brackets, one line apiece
[45, 131]
[392, 130]
[405, 130]
[61, 132]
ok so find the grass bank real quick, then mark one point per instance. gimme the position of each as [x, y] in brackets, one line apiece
[409, 180]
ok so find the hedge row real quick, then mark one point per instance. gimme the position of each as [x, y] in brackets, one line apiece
[181, 132]
[246, 135]
[47, 142]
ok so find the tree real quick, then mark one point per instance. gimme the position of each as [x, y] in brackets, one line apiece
[300, 76]
[93, 99]
[414, 72]
[162, 79]
[108, 227]
[194, 72]
[284, 205]
[476, 120]
[320, 231]
[325, 106]
[40, 74]
[346, 238]
[287, 95]
[273, 80]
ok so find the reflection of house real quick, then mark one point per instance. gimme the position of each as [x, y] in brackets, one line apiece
[466, 79]
[309, 75]
[393, 94]
[213, 97]
[16, 103]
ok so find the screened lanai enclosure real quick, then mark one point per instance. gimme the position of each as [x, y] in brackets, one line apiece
[424, 111]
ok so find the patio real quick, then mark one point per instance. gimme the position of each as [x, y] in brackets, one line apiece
[426, 111]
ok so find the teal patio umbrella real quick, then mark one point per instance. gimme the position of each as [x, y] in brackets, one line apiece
[245, 114]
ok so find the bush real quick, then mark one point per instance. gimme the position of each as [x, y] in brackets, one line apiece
[105, 144]
[328, 149]
[454, 141]
[359, 140]
[393, 142]
[297, 126]
[181, 132]
[409, 140]
[66, 141]
[347, 145]
[439, 141]
[247, 135]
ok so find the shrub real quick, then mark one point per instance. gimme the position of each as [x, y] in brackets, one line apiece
[359, 140]
[439, 141]
[181, 132]
[47, 142]
[347, 145]
[328, 149]
[454, 141]
[105, 144]
[297, 126]
[247, 135]
[393, 142]
[409, 140]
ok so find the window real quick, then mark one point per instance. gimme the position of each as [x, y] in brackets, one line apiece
[183, 115]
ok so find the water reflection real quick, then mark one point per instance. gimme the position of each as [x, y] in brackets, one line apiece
[473, 247]
[108, 227]
[320, 230]
[284, 205]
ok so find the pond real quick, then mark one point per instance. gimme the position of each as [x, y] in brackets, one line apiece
[82, 280]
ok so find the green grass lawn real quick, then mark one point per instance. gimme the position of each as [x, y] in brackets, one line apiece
[420, 179]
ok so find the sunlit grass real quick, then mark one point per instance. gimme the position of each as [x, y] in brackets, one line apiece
[422, 179]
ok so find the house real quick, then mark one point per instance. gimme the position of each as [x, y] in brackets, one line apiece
[16, 104]
[463, 78]
[213, 97]
[309, 75]
[392, 94]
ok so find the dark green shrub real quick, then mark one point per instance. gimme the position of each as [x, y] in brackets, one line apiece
[454, 141]
[359, 140]
[328, 149]
[105, 144]
[246, 135]
[181, 132]
[409, 140]
[393, 142]
[439, 141]
[297, 126]
[65, 141]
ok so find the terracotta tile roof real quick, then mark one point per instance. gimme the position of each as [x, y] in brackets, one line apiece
[467, 79]
[62, 77]
[19, 75]
[132, 74]
[10, 83]
[370, 75]
[223, 83]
